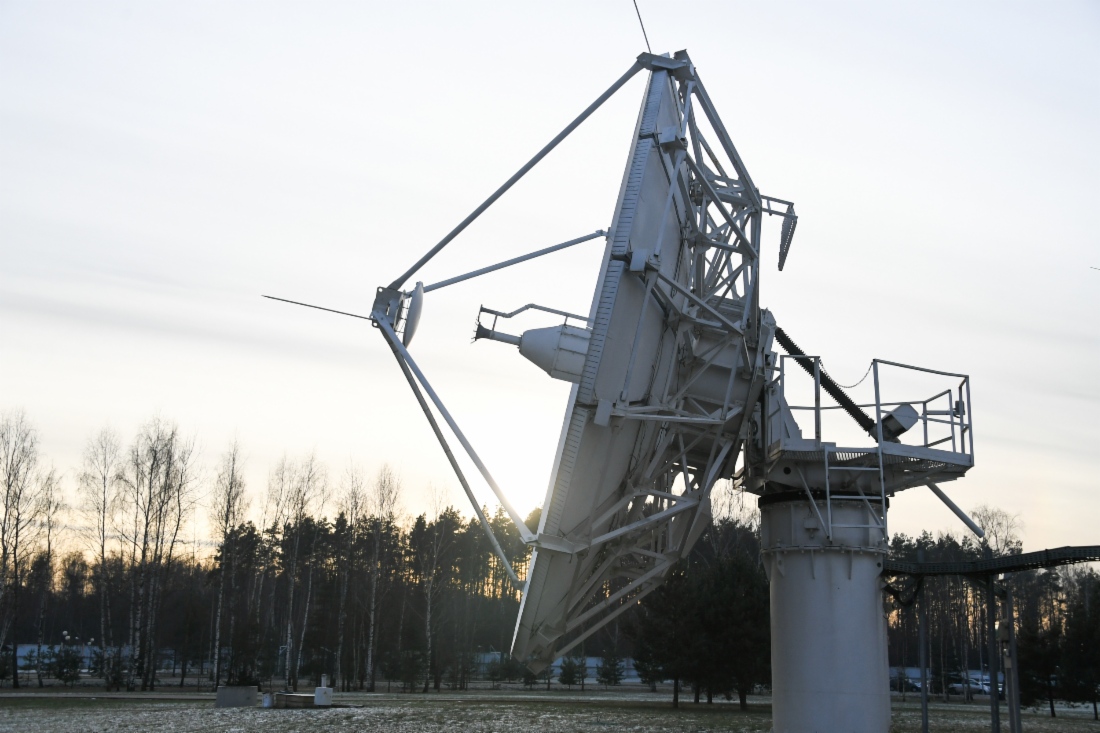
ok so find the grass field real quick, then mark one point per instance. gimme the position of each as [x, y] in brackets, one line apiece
[451, 713]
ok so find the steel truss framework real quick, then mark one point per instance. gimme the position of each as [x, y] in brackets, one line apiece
[681, 402]
[1036, 560]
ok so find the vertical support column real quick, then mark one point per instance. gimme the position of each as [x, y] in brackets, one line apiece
[1012, 675]
[922, 637]
[994, 652]
[829, 658]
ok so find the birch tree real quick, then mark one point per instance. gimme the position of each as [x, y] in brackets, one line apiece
[273, 524]
[18, 513]
[159, 478]
[51, 507]
[352, 502]
[98, 491]
[227, 509]
[382, 505]
[305, 489]
[434, 540]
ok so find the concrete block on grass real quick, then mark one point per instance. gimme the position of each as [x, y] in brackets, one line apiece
[237, 696]
[293, 700]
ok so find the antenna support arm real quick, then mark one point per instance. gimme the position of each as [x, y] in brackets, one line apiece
[458, 471]
[634, 69]
[406, 359]
[955, 508]
[513, 261]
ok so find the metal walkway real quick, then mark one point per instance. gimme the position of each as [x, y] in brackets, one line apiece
[984, 573]
[997, 565]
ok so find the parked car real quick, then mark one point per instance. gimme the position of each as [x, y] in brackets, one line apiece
[977, 687]
[904, 684]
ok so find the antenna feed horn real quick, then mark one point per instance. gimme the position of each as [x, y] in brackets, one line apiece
[481, 332]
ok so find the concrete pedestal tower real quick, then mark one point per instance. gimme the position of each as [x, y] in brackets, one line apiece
[828, 625]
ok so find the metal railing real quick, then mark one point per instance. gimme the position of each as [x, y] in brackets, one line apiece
[948, 407]
[944, 418]
[957, 416]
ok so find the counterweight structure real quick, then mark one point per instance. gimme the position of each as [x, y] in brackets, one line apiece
[677, 385]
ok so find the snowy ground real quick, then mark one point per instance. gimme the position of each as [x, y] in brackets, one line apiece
[451, 713]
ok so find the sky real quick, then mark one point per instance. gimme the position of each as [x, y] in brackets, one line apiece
[162, 165]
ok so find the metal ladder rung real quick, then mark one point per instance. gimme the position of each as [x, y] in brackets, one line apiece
[870, 500]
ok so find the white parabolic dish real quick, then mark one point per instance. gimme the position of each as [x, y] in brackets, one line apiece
[677, 350]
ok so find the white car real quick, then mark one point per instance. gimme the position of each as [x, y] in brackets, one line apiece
[977, 687]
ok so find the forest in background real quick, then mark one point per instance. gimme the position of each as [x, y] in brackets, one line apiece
[332, 578]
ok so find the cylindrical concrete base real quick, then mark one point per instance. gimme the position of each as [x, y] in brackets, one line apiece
[828, 625]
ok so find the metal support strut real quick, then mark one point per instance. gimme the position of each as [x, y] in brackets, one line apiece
[638, 66]
[923, 641]
[516, 582]
[994, 650]
[403, 356]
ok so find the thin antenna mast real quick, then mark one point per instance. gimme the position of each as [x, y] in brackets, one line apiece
[642, 24]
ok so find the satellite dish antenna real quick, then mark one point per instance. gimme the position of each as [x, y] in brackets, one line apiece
[676, 386]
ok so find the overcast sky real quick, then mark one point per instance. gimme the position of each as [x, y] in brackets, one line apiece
[163, 164]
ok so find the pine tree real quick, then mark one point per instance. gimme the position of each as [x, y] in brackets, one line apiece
[648, 669]
[1081, 668]
[610, 669]
[569, 672]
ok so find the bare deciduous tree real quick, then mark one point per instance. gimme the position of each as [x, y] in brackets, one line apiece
[1002, 530]
[352, 502]
[51, 508]
[159, 477]
[21, 507]
[437, 536]
[273, 522]
[305, 490]
[227, 510]
[382, 505]
[98, 490]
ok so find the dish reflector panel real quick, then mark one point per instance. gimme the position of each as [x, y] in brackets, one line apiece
[656, 417]
[412, 318]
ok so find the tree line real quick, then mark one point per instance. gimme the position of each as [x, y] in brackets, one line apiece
[1056, 616]
[330, 578]
[323, 574]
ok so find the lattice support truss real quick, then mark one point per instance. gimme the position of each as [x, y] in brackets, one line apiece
[691, 408]
[683, 253]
